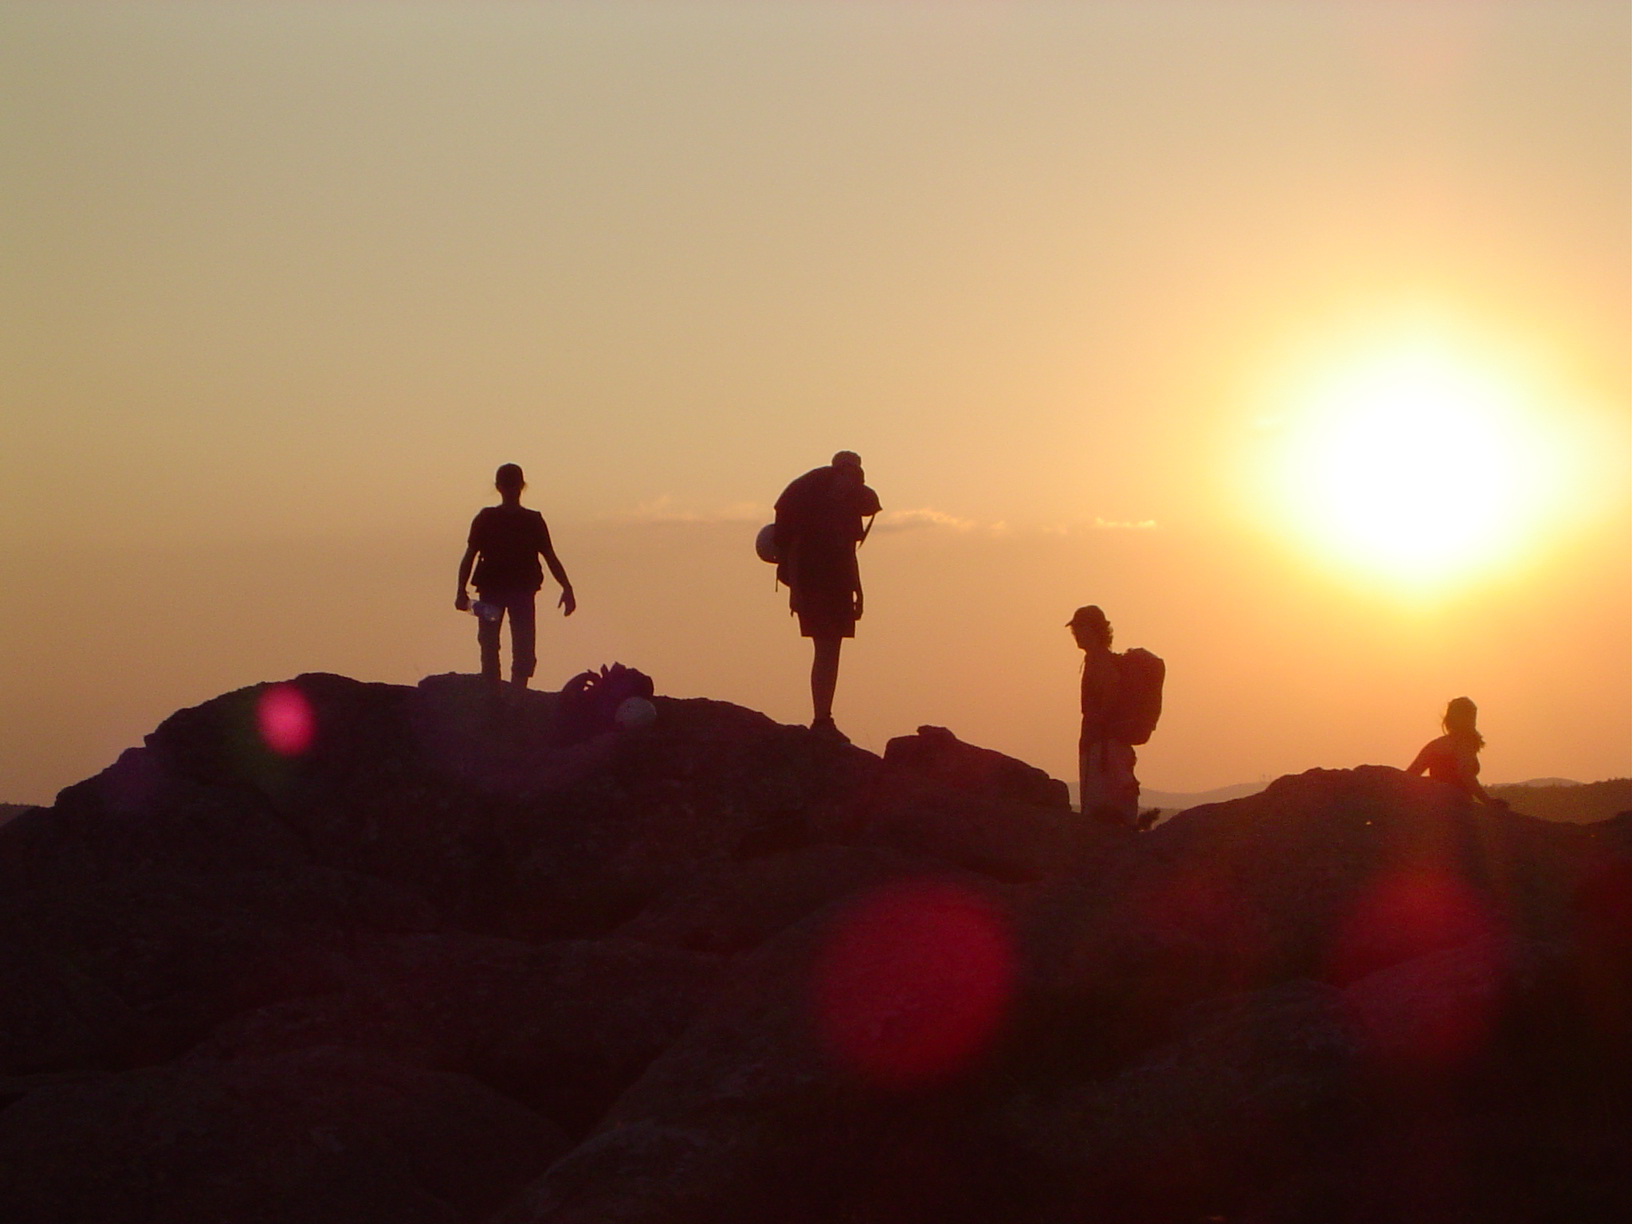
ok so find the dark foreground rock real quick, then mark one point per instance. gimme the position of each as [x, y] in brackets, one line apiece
[330, 951]
[317, 1134]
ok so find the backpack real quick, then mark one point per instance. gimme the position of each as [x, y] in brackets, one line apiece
[590, 700]
[765, 546]
[1138, 697]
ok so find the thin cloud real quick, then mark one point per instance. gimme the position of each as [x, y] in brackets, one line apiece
[665, 509]
[922, 519]
[1101, 524]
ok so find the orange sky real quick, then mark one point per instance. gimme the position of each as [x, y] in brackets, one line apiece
[285, 282]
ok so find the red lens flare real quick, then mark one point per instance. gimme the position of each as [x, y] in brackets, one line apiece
[1426, 961]
[1406, 915]
[285, 720]
[914, 983]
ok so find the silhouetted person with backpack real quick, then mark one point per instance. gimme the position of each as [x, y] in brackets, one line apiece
[1121, 703]
[1454, 756]
[818, 528]
[505, 544]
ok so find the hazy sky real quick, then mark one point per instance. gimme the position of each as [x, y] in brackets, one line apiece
[1135, 304]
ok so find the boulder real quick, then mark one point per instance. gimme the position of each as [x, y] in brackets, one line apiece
[125, 972]
[791, 1094]
[331, 950]
[139, 815]
[734, 907]
[311, 1137]
[563, 1028]
[935, 753]
[1256, 1083]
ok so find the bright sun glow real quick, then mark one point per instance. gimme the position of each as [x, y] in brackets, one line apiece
[1418, 459]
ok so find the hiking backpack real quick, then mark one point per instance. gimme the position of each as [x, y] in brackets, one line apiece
[1138, 697]
[590, 700]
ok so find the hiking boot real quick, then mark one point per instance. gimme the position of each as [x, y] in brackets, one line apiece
[826, 728]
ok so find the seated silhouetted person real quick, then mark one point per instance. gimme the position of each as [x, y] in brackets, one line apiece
[506, 542]
[818, 526]
[1454, 757]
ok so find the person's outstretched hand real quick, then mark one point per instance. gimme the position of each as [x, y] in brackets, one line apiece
[461, 602]
[568, 603]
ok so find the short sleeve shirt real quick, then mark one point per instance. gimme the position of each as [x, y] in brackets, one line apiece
[508, 541]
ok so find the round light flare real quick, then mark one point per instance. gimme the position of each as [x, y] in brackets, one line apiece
[1418, 463]
[285, 720]
[914, 984]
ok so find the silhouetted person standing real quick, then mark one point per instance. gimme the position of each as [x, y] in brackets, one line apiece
[818, 526]
[1121, 703]
[1454, 756]
[506, 542]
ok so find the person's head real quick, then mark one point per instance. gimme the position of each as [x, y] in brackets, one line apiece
[848, 465]
[509, 481]
[1089, 626]
[1461, 721]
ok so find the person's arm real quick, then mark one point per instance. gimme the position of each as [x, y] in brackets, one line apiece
[461, 601]
[1467, 770]
[1096, 697]
[1420, 764]
[568, 602]
[1471, 780]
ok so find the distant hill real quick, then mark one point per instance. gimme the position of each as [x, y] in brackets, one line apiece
[1573, 803]
[1546, 798]
[8, 810]
[1174, 802]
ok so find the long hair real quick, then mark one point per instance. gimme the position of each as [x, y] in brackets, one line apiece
[1461, 716]
[1090, 621]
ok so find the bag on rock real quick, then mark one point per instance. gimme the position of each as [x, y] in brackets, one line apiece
[590, 700]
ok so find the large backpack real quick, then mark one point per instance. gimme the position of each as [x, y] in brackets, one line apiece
[1138, 697]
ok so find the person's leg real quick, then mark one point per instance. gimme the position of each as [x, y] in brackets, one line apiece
[824, 676]
[1100, 789]
[523, 638]
[487, 638]
[1124, 786]
[1090, 776]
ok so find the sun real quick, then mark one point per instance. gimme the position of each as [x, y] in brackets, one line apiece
[1415, 458]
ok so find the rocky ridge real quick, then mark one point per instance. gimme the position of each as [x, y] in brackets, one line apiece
[333, 951]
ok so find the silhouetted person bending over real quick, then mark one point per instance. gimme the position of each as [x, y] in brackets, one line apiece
[1454, 756]
[818, 526]
[506, 542]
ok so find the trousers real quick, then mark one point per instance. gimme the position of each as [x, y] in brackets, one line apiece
[518, 608]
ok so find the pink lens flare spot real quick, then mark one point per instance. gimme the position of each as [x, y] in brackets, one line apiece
[1406, 915]
[1425, 960]
[285, 720]
[914, 983]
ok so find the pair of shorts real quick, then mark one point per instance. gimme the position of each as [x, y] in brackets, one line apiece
[826, 614]
[1106, 781]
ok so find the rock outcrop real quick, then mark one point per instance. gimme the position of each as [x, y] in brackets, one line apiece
[331, 951]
